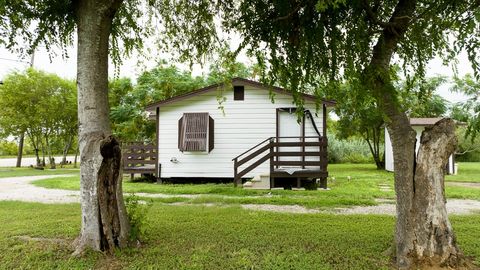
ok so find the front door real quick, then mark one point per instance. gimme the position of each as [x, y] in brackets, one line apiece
[289, 130]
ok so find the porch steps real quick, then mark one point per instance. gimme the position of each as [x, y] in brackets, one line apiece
[261, 181]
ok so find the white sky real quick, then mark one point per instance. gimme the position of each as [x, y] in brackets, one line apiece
[66, 67]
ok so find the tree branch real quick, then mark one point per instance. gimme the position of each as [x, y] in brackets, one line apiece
[372, 16]
[468, 151]
[288, 15]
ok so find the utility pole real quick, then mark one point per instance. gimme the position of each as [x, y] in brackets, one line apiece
[22, 136]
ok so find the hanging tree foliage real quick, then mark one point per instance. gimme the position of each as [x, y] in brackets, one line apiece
[318, 44]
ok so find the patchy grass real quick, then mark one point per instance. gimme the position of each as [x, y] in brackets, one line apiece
[467, 172]
[197, 237]
[25, 171]
[362, 188]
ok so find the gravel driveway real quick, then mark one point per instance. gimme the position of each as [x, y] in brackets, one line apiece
[27, 161]
[21, 189]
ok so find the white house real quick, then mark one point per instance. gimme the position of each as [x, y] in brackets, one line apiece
[243, 131]
[419, 125]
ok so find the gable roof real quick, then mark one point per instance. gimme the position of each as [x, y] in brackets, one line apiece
[424, 121]
[430, 121]
[152, 106]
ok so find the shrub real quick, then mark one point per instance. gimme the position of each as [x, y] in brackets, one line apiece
[137, 211]
[8, 148]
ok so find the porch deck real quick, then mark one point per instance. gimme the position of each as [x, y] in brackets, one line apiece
[289, 157]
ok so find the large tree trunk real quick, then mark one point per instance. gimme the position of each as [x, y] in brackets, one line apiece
[104, 220]
[434, 241]
[423, 234]
[20, 149]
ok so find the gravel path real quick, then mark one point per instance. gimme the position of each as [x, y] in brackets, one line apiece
[464, 184]
[454, 206]
[21, 189]
[27, 161]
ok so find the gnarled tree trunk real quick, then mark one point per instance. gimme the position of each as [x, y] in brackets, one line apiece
[423, 234]
[104, 221]
[434, 241]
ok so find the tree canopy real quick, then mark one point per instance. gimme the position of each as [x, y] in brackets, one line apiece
[128, 100]
[468, 111]
[40, 104]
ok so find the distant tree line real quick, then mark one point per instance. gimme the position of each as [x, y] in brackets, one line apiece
[41, 107]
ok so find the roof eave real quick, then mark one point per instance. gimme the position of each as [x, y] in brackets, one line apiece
[153, 106]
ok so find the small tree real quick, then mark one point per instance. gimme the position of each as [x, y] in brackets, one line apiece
[360, 115]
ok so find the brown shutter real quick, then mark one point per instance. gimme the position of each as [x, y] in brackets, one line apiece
[193, 131]
[180, 134]
[211, 133]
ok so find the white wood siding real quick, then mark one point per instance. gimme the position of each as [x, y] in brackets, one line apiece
[242, 125]
[389, 150]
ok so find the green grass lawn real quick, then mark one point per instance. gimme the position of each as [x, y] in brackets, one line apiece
[197, 237]
[25, 171]
[362, 188]
[467, 172]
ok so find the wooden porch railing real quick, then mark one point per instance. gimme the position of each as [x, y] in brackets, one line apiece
[139, 158]
[274, 148]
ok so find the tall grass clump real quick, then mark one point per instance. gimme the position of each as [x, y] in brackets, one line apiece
[352, 150]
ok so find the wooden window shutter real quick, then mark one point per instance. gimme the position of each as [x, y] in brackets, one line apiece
[180, 133]
[194, 132]
[211, 133]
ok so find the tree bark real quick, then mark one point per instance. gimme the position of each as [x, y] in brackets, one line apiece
[94, 23]
[20, 150]
[434, 240]
[423, 234]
